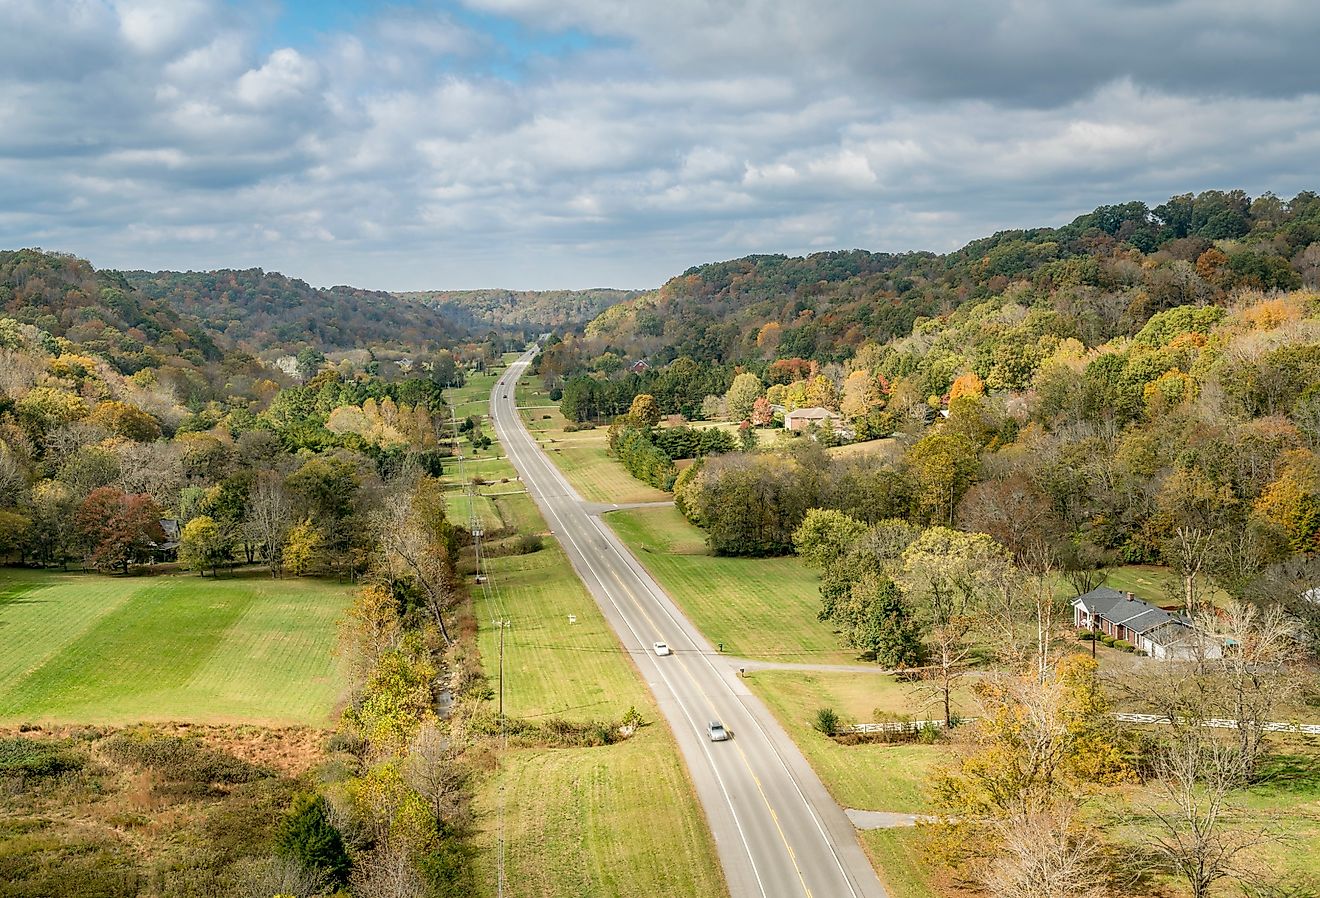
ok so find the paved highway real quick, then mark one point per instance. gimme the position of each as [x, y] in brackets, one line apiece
[778, 832]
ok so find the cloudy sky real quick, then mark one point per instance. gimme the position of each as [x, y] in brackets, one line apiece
[576, 143]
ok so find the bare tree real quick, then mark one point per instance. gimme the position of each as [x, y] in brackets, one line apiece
[410, 544]
[1045, 853]
[269, 517]
[433, 770]
[264, 877]
[386, 871]
[1193, 832]
[1188, 551]
[1251, 674]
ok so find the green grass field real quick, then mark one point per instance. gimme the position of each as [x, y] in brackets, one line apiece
[758, 607]
[88, 648]
[552, 666]
[616, 822]
[872, 777]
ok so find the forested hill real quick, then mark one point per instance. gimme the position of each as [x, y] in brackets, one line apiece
[522, 311]
[1110, 270]
[255, 308]
[100, 311]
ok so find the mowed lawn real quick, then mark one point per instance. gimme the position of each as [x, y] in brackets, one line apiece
[553, 667]
[615, 822]
[88, 648]
[758, 607]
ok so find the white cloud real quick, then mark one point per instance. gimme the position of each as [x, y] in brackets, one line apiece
[415, 152]
[286, 75]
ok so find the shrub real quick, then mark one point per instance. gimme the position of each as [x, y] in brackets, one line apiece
[180, 760]
[307, 836]
[1123, 645]
[529, 543]
[826, 721]
[1085, 635]
[32, 757]
[1107, 639]
[929, 734]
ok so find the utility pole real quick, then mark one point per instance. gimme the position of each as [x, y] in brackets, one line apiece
[502, 624]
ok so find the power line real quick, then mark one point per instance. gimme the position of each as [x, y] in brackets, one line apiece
[491, 594]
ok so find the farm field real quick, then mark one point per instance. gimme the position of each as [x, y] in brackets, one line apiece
[761, 608]
[619, 821]
[88, 648]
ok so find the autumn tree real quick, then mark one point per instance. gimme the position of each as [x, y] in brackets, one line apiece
[303, 547]
[204, 544]
[742, 396]
[945, 571]
[825, 535]
[1011, 809]
[644, 410]
[861, 395]
[117, 528]
[125, 420]
[945, 465]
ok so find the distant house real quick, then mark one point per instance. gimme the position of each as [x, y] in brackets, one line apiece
[639, 366]
[800, 419]
[167, 549]
[1159, 633]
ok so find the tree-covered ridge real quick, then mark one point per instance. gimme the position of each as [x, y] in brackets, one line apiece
[1108, 271]
[256, 309]
[100, 311]
[528, 312]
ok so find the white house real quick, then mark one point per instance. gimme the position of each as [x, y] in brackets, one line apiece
[1158, 633]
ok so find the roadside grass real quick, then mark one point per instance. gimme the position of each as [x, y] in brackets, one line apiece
[857, 697]
[762, 608]
[459, 512]
[618, 821]
[88, 648]
[553, 667]
[871, 777]
[898, 856]
[583, 459]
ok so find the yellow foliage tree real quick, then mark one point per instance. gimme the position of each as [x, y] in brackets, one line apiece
[302, 550]
[968, 384]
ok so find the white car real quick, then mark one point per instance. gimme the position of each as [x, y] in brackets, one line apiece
[661, 649]
[716, 731]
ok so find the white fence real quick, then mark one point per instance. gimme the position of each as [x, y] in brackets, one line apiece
[915, 726]
[901, 726]
[1224, 723]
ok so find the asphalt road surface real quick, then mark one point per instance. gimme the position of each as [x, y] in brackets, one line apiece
[778, 832]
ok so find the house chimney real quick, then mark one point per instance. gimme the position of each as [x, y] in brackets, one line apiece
[1132, 597]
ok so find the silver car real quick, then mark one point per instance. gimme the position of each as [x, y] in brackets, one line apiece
[716, 731]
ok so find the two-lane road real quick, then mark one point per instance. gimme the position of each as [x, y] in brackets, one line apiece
[778, 832]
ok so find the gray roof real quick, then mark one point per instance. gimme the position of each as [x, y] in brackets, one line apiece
[1135, 614]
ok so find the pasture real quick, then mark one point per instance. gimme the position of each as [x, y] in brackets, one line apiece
[761, 608]
[620, 821]
[89, 648]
